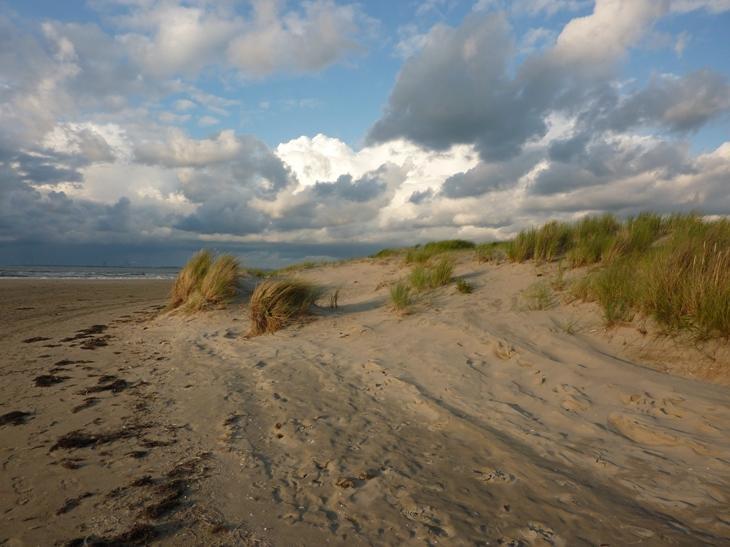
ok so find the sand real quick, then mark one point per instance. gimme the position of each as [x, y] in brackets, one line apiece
[473, 420]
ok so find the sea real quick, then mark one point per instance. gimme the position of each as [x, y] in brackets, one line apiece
[86, 272]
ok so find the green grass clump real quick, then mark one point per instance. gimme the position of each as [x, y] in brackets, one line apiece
[276, 302]
[552, 240]
[301, 266]
[615, 289]
[387, 253]
[431, 276]
[495, 251]
[538, 296]
[423, 253]
[522, 247]
[674, 269]
[204, 281]
[464, 286]
[400, 296]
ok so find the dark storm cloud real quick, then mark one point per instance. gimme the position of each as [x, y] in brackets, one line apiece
[224, 215]
[577, 163]
[456, 90]
[345, 188]
[419, 197]
[678, 104]
[488, 177]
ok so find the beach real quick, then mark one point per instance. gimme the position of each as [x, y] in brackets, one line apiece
[474, 419]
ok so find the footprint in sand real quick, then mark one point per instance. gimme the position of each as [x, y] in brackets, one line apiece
[641, 433]
[504, 351]
[495, 476]
[647, 404]
[427, 516]
[575, 399]
[536, 532]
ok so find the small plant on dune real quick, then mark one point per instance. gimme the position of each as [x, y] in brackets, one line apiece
[420, 278]
[464, 286]
[441, 273]
[190, 278]
[538, 297]
[559, 283]
[490, 252]
[276, 302]
[432, 276]
[400, 296]
[334, 297]
[569, 326]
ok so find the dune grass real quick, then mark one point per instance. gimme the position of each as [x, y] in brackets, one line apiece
[464, 286]
[423, 253]
[219, 283]
[206, 280]
[400, 296]
[495, 251]
[277, 302]
[190, 278]
[431, 276]
[387, 253]
[538, 296]
[673, 268]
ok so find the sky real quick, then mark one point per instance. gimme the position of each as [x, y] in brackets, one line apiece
[133, 132]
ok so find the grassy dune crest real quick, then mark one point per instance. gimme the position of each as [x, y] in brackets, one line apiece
[423, 253]
[276, 302]
[675, 269]
[204, 281]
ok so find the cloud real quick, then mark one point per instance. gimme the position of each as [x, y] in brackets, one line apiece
[605, 35]
[455, 91]
[532, 7]
[167, 38]
[680, 104]
[179, 150]
[420, 196]
[184, 104]
[488, 177]
[207, 121]
[321, 34]
[484, 132]
[713, 6]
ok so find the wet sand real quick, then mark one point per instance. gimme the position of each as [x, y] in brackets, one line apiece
[470, 421]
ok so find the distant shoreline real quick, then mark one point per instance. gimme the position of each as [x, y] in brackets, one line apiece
[87, 272]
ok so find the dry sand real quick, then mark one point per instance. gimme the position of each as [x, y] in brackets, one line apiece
[470, 421]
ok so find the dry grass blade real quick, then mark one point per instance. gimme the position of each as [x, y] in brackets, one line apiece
[276, 302]
[219, 284]
[205, 281]
[190, 278]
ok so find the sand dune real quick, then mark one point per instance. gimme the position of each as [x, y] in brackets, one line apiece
[470, 421]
